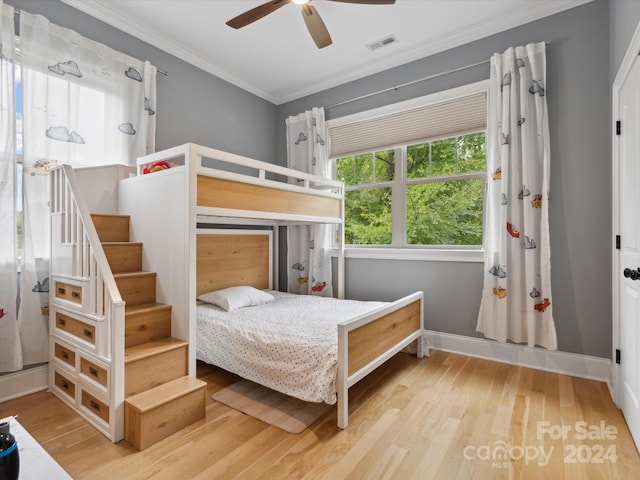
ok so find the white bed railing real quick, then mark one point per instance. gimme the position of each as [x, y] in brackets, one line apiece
[89, 263]
[345, 380]
[254, 172]
[300, 181]
[303, 181]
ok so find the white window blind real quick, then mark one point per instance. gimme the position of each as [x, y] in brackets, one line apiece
[443, 119]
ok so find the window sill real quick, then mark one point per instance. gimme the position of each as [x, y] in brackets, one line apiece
[420, 254]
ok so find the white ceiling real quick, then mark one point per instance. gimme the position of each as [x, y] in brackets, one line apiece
[275, 57]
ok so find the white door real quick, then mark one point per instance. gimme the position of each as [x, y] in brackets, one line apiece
[628, 265]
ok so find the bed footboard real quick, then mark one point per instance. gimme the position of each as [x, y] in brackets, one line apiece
[366, 342]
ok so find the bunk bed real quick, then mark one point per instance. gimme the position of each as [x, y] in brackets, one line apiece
[193, 219]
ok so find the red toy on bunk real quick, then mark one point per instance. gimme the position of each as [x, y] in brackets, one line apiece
[155, 167]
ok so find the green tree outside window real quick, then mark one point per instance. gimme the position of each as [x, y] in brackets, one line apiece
[442, 185]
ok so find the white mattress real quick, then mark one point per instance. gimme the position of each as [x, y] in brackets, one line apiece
[289, 345]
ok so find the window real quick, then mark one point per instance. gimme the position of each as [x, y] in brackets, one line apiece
[439, 188]
[424, 192]
[369, 180]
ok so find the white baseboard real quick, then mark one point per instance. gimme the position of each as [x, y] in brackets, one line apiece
[24, 382]
[574, 364]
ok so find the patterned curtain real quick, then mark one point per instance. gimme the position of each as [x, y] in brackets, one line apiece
[308, 256]
[516, 299]
[83, 104]
[10, 353]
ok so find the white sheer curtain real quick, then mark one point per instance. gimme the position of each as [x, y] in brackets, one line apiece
[83, 104]
[10, 353]
[516, 299]
[308, 247]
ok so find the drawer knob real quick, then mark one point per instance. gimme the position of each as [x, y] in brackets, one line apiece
[64, 354]
[61, 291]
[65, 385]
[94, 405]
[62, 322]
[88, 333]
[93, 371]
[75, 294]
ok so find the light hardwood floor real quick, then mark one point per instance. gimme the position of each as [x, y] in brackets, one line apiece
[444, 417]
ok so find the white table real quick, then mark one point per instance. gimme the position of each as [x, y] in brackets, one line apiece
[35, 462]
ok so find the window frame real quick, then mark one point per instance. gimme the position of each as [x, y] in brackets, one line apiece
[399, 249]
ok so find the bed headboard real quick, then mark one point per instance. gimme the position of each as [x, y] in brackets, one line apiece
[227, 258]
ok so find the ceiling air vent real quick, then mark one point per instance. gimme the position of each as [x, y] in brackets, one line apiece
[388, 40]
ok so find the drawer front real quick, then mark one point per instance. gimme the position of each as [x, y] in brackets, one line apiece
[65, 354]
[66, 291]
[65, 385]
[95, 406]
[76, 328]
[94, 371]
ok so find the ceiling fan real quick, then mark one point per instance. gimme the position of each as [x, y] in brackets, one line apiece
[312, 20]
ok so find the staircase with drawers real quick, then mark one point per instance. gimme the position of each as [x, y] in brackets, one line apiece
[126, 376]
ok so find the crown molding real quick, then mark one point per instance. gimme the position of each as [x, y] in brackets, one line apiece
[101, 11]
[445, 42]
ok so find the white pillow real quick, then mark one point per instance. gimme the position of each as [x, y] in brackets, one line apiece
[233, 298]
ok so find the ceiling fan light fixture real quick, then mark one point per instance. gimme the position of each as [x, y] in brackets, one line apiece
[312, 20]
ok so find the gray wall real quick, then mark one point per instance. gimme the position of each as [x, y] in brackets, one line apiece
[578, 96]
[193, 106]
[623, 20]
[587, 47]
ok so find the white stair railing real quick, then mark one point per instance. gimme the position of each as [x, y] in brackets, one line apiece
[89, 263]
[89, 259]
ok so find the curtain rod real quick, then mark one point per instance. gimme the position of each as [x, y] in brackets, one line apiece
[16, 13]
[402, 85]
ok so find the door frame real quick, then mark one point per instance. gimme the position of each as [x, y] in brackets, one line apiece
[630, 57]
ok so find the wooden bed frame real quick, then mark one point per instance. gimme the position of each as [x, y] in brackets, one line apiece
[227, 258]
[212, 187]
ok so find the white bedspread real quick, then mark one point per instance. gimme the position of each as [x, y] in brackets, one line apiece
[289, 345]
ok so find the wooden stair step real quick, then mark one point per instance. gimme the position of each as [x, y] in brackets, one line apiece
[123, 256]
[160, 397]
[150, 349]
[144, 308]
[111, 228]
[137, 288]
[162, 394]
[155, 414]
[154, 363]
[146, 323]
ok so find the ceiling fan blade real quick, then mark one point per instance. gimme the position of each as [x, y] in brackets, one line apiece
[367, 2]
[315, 25]
[257, 13]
